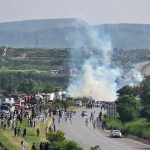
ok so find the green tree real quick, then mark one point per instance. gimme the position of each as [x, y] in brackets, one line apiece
[145, 96]
[126, 90]
[128, 108]
[28, 86]
[128, 103]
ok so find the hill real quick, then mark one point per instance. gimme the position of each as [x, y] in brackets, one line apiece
[64, 33]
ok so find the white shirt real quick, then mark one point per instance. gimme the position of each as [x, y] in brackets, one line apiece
[22, 147]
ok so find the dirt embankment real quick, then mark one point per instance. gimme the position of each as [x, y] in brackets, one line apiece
[136, 138]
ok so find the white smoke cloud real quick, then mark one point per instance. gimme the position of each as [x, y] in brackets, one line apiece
[99, 78]
[132, 77]
[98, 82]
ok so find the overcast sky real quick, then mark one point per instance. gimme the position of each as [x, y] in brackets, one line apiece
[92, 11]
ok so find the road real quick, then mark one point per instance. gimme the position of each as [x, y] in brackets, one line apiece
[87, 136]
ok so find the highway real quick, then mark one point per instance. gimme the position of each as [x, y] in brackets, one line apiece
[88, 137]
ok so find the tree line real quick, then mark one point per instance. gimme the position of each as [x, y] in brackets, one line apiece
[134, 101]
[30, 82]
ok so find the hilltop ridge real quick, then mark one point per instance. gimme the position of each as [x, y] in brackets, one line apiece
[63, 33]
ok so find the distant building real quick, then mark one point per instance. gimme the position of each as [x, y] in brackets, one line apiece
[54, 72]
[59, 72]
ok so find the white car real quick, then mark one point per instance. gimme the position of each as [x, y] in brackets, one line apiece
[79, 103]
[84, 113]
[115, 133]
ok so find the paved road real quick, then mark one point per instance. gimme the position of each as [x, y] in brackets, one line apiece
[87, 136]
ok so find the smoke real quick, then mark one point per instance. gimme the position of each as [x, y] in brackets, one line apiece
[92, 72]
[132, 77]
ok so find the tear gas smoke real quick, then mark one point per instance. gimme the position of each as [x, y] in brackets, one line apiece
[99, 77]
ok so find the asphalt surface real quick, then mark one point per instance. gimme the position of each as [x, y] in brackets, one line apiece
[88, 137]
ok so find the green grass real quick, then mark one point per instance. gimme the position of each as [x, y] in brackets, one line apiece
[8, 139]
[139, 127]
[73, 108]
[4, 141]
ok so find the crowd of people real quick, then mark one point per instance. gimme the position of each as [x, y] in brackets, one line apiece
[12, 121]
[96, 121]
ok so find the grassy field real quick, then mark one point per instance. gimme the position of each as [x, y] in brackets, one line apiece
[11, 142]
[140, 127]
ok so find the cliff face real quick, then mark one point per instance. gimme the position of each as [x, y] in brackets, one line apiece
[63, 33]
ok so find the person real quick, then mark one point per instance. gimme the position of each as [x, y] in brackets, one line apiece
[54, 127]
[4, 127]
[50, 128]
[46, 130]
[34, 146]
[94, 125]
[24, 132]
[86, 121]
[100, 116]
[58, 119]
[102, 126]
[22, 145]
[66, 119]
[91, 116]
[15, 131]
[46, 146]
[38, 131]
[12, 127]
[53, 120]
[18, 131]
[41, 145]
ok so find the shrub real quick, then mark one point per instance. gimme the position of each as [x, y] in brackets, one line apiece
[58, 136]
[65, 145]
[57, 146]
[115, 123]
[71, 145]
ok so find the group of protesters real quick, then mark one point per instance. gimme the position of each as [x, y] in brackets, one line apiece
[12, 121]
[96, 121]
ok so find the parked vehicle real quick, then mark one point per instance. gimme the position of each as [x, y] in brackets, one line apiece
[4, 109]
[84, 113]
[115, 133]
[78, 103]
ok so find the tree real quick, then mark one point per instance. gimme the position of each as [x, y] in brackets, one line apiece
[126, 90]
[84, 100]
[145, 96]
[48, 89]
[28, 86]
[128, 108]
[128, 103]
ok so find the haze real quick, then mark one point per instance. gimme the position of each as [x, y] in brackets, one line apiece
[92, 11]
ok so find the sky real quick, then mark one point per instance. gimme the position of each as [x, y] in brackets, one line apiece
[92, 11]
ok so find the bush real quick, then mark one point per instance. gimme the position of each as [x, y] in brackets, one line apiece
[140, 128]
[71, 145]
[57, 146]
[58, 136]
[115, 123]
[65, 145]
